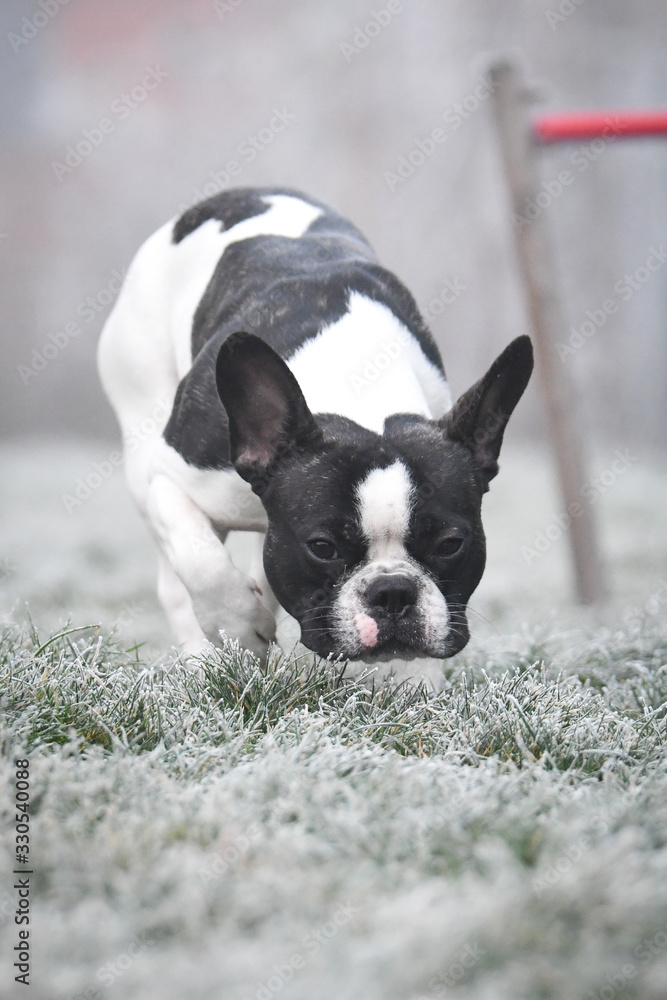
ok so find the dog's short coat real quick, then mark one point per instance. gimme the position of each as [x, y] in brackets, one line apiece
[307, 400]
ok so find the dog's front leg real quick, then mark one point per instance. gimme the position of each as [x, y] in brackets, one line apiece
[223, 598]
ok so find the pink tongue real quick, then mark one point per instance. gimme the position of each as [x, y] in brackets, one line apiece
[367, 628]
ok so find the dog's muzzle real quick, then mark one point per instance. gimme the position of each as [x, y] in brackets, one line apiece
[393, 613]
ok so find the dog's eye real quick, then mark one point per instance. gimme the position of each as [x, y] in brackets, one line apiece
[449, 546]
[322, 548]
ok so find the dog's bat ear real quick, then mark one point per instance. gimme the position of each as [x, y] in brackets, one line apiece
[266, 410]
[479, 417]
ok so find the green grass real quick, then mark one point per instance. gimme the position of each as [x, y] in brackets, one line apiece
[579, 711]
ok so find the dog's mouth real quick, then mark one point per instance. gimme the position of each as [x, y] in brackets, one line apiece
[392, 650]
[373, 641]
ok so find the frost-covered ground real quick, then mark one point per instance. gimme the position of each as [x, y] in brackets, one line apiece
[229, 833]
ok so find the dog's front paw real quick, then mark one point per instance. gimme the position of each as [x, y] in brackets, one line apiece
[244, 617]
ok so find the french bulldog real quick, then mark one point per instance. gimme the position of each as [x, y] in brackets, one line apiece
[305, 400]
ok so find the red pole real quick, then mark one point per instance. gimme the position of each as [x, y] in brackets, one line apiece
[570, 126]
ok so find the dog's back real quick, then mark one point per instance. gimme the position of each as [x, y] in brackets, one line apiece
[288, 269]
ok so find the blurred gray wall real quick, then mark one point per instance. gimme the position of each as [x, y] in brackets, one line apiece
[358, 84]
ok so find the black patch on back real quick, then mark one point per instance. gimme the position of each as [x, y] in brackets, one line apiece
[283, 290]
[229, 207]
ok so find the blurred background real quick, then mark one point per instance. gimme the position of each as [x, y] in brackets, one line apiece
[115, 117]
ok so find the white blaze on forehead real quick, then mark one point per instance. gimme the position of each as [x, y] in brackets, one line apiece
[384, 502]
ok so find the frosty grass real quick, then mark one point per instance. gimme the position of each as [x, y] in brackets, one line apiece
[219, 830]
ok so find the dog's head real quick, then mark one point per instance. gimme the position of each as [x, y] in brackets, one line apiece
[374, 542]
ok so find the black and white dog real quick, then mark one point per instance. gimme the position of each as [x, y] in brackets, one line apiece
[249, 322]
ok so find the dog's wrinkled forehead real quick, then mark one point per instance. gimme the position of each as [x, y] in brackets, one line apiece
[384, 503]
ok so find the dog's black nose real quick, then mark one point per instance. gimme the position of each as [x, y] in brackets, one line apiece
[394, 593]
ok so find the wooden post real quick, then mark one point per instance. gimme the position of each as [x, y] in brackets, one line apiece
[535, 256]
